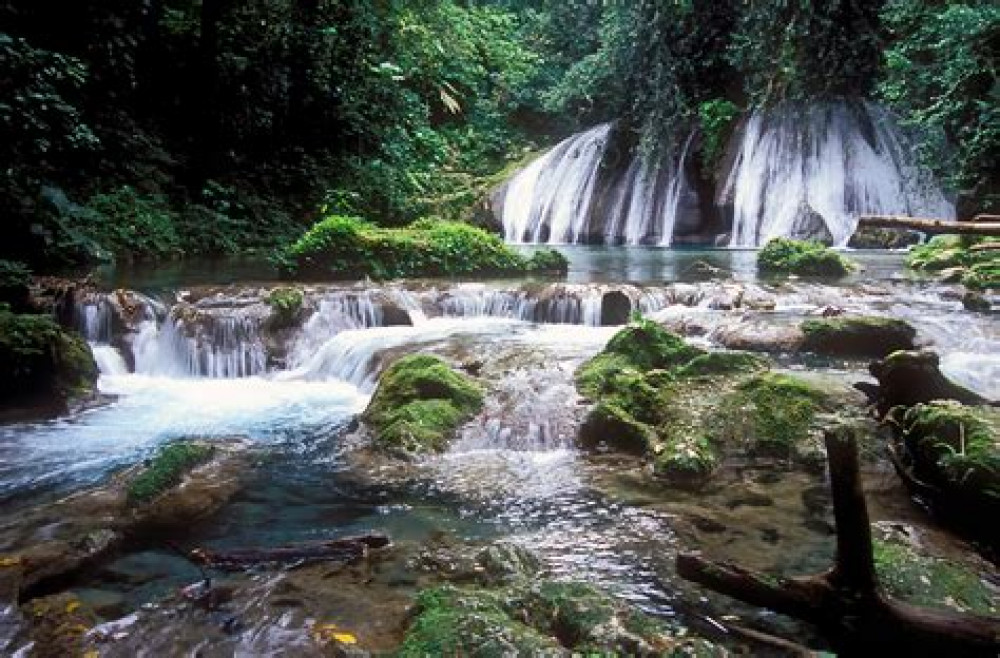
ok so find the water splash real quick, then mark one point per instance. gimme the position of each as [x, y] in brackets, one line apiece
[810, 171]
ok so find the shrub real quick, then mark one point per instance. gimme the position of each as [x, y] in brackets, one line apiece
[805, 257]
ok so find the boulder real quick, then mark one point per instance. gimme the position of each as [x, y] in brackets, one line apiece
[616, 308]
[907, 378]
[856, 336]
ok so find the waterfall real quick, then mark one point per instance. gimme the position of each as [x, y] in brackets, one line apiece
[559, 198]
[810, 171]
[226, 346]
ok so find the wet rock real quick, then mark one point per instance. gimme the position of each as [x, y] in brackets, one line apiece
[951, 275]
[810, 225]
[52, 541]
[58, 625]
[105, 603]
[45, 366]
[749, 499]
[419, 404]
[703, 271]
[394, 315]
[976, 302]
[910, 377]
[856, 336]
[505, 562]
[758, 336]
[609, 427]
[616, 308]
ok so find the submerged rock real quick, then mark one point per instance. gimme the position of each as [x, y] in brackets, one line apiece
[55, 540]
[419, 404]
[856, 336]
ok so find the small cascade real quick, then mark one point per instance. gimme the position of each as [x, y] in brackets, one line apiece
[109, 360]
[334, 314]
[810, 171]
[578, 192]
[200, 345]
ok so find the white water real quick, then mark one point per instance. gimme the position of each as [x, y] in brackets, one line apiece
[553, 200]
[835, 161]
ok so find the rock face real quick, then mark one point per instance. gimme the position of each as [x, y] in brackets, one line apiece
[419, 404]
[857, 336]
[909, 378]
[615, 308]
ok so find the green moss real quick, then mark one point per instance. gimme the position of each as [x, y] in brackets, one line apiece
[722, 363]
[940, 252]
[805, 257]
[983, 275]
[166, 470]
[349, 247]
[452, 622]
[931, 582]
[285, 303]
[647, 345]
[773, 413]
[686, 457]
[956, 445]
[40, 358]
[548, 261]
[419, 403]
[864, 336]
[595, 377]
[608, 423]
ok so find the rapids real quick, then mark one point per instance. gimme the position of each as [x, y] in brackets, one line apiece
[203, 361]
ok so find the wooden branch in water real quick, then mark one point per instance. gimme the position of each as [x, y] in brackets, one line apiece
[349, 549]
[847, 601]
[934, 226]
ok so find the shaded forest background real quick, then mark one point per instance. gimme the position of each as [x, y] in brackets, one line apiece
[137, 129]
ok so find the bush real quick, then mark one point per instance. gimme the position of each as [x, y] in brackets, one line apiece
[349, 247]
[548, 260]
[805, 257]
[14, 281]
[132, 225]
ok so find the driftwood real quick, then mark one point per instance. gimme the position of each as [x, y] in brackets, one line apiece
[932, 226]
[846, 601]
[347, 550]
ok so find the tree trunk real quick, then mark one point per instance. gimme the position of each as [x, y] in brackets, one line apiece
[933, 226]
[847, 601]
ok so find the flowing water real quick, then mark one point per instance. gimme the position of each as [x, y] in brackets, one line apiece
[202, 361]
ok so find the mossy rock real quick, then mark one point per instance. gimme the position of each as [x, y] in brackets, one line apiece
[166, 469]
[686, 459]
[543, 617]
[608, 425]
[419, 404]
[647, 345]
[803, 257]
[955, 446]
[723, 363]
[58, 625]
[941, 252]
[42, 361]
[452, 622]
[857, 336]
[772, 413]
[548, 261]
[983, 275]
[286, 306]
[595, 377]
[931, 582]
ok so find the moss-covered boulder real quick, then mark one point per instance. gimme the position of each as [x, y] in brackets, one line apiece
[286, 306]
[906, 378]
[955, 447]
[803, 257]
[722, 363]
[608, 426]
[350, 247]
[167, 468]
[774, 415]
[42, 362]
[931, 582]
[419, 404]
[975, 261]
[540, 617]
[857, 336]
[647, 345]
[547, 261]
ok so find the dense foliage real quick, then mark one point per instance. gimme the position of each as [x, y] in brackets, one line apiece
[160, 129]
[805, 257]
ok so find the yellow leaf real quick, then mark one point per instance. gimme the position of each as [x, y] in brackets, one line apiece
[93, 653]
[345, 638]
[72, 606]
[9, 561]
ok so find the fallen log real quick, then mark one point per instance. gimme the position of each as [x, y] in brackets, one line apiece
[985, 218]
[985, 246]
[346, 550]
[931, 226]
[846, 601]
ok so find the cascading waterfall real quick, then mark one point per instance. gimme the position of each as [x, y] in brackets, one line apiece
[557, 198]
[810, 171]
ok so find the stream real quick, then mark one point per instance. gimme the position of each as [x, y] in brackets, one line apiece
[197, 360]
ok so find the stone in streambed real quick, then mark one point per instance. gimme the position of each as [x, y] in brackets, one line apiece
[616, 307]
[909, 377]
[419, 404]
[856, 336]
